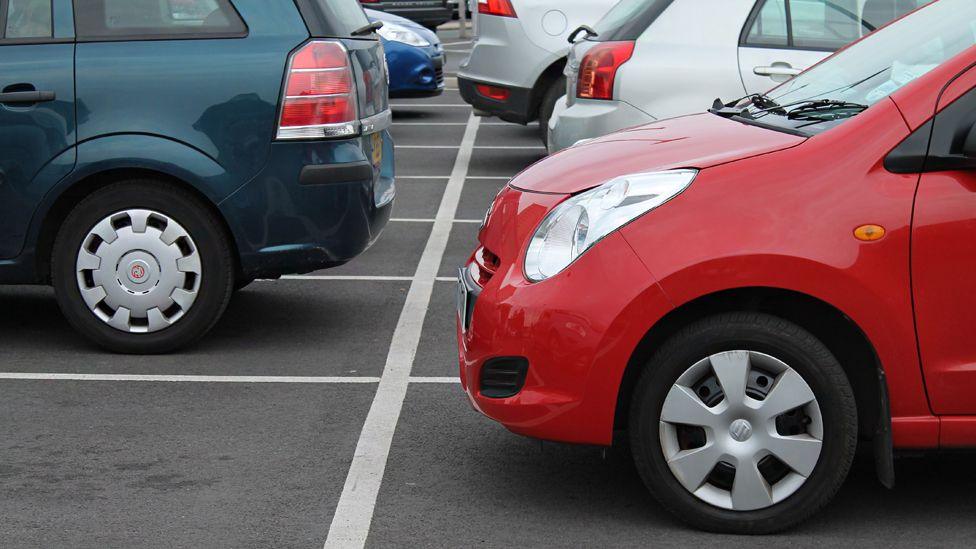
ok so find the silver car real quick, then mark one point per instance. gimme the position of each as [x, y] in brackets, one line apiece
[515, 70]
[654, 59]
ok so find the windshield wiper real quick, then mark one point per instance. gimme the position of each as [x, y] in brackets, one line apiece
[760, 100]
[367, 29]
[825, 109]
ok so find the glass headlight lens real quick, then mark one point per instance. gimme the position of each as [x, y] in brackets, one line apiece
[580, 222]
[398, 33]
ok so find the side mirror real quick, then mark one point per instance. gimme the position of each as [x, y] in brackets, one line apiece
[962, 157]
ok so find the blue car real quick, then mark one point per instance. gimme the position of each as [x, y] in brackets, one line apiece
[414, 54]
[155, 155]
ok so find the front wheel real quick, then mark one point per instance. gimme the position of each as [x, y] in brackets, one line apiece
[142, 267]
[743, 423]
[556, 91]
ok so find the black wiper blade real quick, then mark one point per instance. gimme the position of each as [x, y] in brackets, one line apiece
[825, 109]
[759, 100]
[728, 110]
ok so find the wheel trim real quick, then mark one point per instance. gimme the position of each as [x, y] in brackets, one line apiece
[138, 271]
[741, 431]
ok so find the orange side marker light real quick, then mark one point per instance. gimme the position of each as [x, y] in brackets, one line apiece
[869, 233]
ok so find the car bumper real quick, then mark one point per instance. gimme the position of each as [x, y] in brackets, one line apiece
[429, 17]
[415, 72]
[517, 108]
[316, 204]
[577, 331]
[588, 119]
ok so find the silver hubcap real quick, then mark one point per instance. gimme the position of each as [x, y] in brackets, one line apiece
[741, 430]
[139, 271]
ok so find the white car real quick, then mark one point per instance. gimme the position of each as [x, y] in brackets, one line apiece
[515, 70]
[653, 59]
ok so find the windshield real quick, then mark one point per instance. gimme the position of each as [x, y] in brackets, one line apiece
[870, 70]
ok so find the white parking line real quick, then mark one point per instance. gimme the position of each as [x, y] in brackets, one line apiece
[32, 376]
[413, 220]
[184, 378]
[354, 514]
[342, 278]
[430, 124]
[435, 380]
[428, 105]
[479, 147]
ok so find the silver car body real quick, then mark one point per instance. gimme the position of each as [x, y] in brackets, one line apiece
[690, 55]
[516, 51]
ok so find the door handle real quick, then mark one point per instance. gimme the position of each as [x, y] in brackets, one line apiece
[776, 71]
[26, 97]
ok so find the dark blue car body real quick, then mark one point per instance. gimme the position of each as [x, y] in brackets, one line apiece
[201, 112]
[415, 71]
[198, 113]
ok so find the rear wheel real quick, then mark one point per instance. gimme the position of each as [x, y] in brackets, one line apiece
[556, 91]
[743, 423]
[142, 267]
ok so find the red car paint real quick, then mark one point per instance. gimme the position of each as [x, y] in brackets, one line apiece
[769, 210]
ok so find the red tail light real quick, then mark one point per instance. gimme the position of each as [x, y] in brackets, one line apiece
[598, 70]
[494, 92]
[501, 8]
[320, 97]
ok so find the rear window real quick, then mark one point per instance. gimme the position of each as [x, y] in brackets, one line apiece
[149, 19]
[629, 19]
[26, 19]
[333, 18]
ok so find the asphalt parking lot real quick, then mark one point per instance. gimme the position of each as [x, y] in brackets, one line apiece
[325, 409]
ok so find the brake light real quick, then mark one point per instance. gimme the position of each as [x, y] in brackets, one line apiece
[501, 8]
[320, 98]
[598, 70]
[494, 92]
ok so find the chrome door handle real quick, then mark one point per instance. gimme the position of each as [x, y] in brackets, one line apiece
[776, 71]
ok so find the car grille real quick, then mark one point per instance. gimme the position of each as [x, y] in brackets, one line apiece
[439, 70]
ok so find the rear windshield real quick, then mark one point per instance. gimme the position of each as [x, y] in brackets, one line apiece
[629, 19]
[333, 18]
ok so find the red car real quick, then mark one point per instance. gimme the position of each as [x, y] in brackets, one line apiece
[749, 292]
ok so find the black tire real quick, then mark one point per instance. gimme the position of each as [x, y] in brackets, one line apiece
[556, 90]
[216, 284]
[780, 339]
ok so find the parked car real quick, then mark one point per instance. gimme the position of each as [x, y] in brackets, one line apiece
[515, 70]
[144, 192]
[429, 13]
[645, 64]
[414, 56]
[748, 292]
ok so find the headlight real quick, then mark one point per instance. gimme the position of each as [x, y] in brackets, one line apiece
[579, 223]
[398, 33]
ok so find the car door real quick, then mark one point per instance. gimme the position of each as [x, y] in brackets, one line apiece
[944, 257]
[782, 38]
[37, 110]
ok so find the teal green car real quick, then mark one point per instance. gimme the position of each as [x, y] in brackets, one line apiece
[155, 155]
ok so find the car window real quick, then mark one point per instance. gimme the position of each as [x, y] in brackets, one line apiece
[770, 27]
[822, 24]
[149, 19]
[344, 16]
[28, 19]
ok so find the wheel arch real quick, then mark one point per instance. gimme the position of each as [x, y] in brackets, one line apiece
[551, 73]
[845, 339]
[71, 195]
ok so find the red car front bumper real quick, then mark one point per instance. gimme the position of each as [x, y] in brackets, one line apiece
[577, 330]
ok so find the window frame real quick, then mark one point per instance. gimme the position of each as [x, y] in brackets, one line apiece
[4, 41]
[790, 43]
[81, 38]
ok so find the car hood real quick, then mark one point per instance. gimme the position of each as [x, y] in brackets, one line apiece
[427, 34]
[696, 141]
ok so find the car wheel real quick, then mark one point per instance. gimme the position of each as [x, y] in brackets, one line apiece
[142, 267]
[743, 423]
[556, 90]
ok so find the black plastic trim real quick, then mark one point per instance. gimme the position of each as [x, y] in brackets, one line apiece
[517, 109]
[884, 446]
[909, 156]
[514, 368]
[336, 174]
